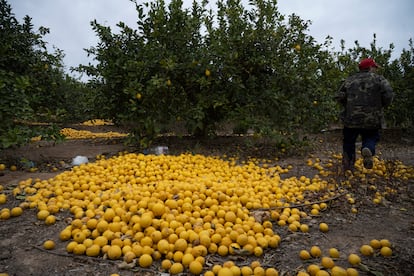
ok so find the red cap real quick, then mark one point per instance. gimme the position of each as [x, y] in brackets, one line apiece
[367, 63]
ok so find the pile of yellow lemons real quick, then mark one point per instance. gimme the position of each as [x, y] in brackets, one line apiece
[97, 122]
[71, 133]
[176, 209]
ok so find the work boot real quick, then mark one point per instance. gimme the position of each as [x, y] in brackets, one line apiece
[367, 158]
[347, 163]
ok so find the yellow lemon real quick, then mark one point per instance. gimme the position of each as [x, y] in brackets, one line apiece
[366, 250]
[338, 271]
[145, 260]
[327, 262]
[312, 269]
[352, 272]
[79, 249]
[255, 264]
[323, 227]
[271, 272]
[304, 228]
[93, 251]
[65, 234]
[101, 241]
[102, 226]
[114, 252]
[79, 237]
[246, 271]
[305, 255]
[42, 214]
[334, 253]
[49, 244]
[158, 209]
[207, 73]
[376, 244]
[259, 271]
[176, 268]
[195, 268]
[129, 257]
[225, 271]
[385, 242]
[16, 211]
[166, 264]
[50, 219]
[5, 213]
[354, 259]
[315, 251]
[70, 246]
[3, 198]
[146, 220]
[386, 251]
[322, 273]
[187, 259]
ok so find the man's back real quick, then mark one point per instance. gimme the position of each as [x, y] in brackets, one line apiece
[363, 96]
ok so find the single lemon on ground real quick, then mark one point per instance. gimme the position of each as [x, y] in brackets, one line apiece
[271, 272]
[312, 269]
[352, 272]
[327, 262]
[315, 251]
[16, 211]
[305, 255]
[50, 219]
[386, 251]
[338, 271]
[3, 198]
[376, 244]
[49, 244]
[65, 234]
[334, 253]
[323, 227]
[42, 214]
[385, 242]
[354, 259]
[366, 250]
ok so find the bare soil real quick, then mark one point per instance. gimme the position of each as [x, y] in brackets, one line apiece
[21, 237]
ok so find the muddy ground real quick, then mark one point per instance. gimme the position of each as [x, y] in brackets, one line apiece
[21, 237]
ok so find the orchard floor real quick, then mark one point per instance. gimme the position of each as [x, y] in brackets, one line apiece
[21, 238]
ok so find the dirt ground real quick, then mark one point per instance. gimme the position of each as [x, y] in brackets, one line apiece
[21, 237]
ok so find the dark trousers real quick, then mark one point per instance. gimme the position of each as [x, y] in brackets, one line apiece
[370, 138]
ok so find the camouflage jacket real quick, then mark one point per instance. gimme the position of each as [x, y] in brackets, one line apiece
[363, 97]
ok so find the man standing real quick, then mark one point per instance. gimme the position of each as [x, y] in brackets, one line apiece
[363, 97]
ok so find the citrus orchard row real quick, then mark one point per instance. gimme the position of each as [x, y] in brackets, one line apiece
[178, 209]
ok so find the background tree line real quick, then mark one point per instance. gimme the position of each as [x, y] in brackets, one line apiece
[247, 68]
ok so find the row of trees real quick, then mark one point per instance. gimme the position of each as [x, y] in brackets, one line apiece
[249, 68]
[252, 67]
[33, 84]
